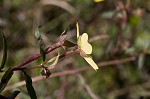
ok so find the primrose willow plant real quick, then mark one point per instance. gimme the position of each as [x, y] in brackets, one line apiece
[85, 48]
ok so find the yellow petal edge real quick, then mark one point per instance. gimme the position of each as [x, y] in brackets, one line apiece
[85, 45]
[91, 62]
[78, 33]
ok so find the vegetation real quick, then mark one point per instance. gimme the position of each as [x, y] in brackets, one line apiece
[42, 57]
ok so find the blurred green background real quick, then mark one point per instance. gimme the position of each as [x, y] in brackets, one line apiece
[118, 29]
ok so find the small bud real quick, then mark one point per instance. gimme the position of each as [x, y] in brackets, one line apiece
[46, 72]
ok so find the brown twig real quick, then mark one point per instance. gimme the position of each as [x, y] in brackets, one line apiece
[87, 88]
[130, 89]
[73, 71]
[98, 37]
[62, 89]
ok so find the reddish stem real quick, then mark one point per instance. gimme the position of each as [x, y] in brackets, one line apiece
[38, 55]
[61, 56]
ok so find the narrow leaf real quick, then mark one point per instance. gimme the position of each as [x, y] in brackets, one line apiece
[4, 51]
[3, 97]
[13, 95]
[41, 44]
[29, 86]
[43, 53]
[6, 77]
[68, 44]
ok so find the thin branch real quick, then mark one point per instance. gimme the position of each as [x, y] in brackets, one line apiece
[38, 55]
[62, 89]
[130, 89]
[88, 89]
[98, 37]
[73, 71]
[49, 67]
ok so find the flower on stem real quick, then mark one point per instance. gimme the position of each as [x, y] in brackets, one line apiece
[85, 48]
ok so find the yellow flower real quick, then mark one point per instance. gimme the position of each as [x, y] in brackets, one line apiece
[85, 47]
[98, 0]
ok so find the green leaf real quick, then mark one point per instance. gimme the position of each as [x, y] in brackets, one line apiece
[41, 44]
[43, 53]
[4, 51]
[68, 44]
[6, 77]
[29, 86]
[141, 60]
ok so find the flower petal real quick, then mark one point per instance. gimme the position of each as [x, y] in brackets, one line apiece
[91, 62]
[78, 32]
[85, 46]
[84, 38]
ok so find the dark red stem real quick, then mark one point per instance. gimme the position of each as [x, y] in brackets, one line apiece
[38, 55]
